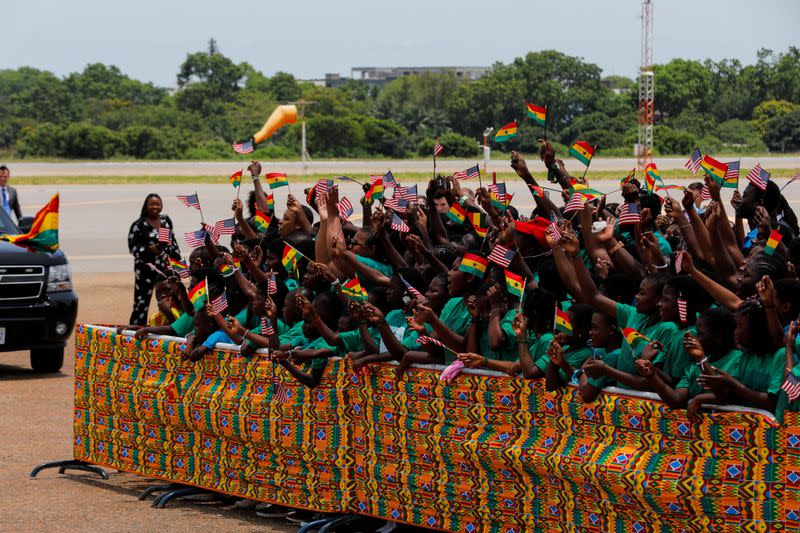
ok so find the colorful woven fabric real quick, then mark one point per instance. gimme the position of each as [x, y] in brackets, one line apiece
[484, 453]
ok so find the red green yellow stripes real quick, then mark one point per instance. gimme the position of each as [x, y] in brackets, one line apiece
[537, 113]
[261, 221]
[634, 338]
[198, 295]
[514, 284]
[43, 235]
[474, 264]
[352, 289]
[582, 151]
[773, 242]
[714, 168]
[507, 132]
[562, 322]
[457, 213]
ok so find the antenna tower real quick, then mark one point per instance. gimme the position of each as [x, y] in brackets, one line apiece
[644, 147]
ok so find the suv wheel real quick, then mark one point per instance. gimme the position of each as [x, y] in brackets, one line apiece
[47, 360]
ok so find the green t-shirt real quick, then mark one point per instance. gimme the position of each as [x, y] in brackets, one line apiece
[784, 404]
[674, 360]
[353, 342]
[317, 344]
[183, 325]
[294, 335]
[386, 270]
[508, 351]
[629, 317]
[455, 315]
[291, 284]
[537, 346]
[396, 318]
[728, 363]
[575, 358]
[609, 358]
[763, 373]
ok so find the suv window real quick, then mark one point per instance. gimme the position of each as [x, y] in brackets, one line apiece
[6, 224]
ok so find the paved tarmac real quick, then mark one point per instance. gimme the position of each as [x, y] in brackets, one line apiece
[223, 168]
[95, 219]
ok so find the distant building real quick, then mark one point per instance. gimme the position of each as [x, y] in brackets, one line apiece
[383, 75]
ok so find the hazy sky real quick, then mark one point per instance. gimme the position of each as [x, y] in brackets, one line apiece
[149, 39]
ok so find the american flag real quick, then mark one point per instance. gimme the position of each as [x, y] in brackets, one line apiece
[792, 387]
[164, 235]
[733, 170]
[190, 201]
[499, 190]
[759, 177]
[414, 292]
[575, 203]
[243, 148]
[705, 194]
[223, 227]
[220, 303]
[266, 327]
[389, 181]
[469, 174]
[272, 285]
[554, 231]
[430, 340]
[398, 224]
[501, 255]
[400, 206]
[683, 307]
[195, 239]
[345, 208]
[629, 214]
[406, 193]
[322, 189]
[693, 164]
[437, 148]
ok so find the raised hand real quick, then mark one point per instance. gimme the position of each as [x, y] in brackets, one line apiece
[519, 165]
[766, 291]
[472, 307]
[237, 207]
[520, 327]
[693, 347]
[254, 168]
[645, 367]
[304, 305]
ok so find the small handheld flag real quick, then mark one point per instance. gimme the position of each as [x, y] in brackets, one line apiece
[220, 303]
[457, 213]
[266, 327]
[473, 264]
[758, 177]
[562, 322]
[179, 268]
[398, 224]
[582, 151]
[629, 214]
[773, 242]
[575, 203]
[714, 168]
[289, 258]
[507, 132]
[693, 164]
[190, 200]
[277, 179]
[272, 285]
[514, 284]
[197, 295]
[261, 221]
[437, 148]
[627, 178]
[223, 227]
[164, 235]
[501, 255]
[236, 179]
[414, 292]
[345, 208]
[375, 192]
[791, 387]
[537, 113]
[195, 239]
[731, 178]
[651, 176]
[683, 309]
[353, 290]
[408, 194]
[634, 338]
[469, 174]
[478, 221]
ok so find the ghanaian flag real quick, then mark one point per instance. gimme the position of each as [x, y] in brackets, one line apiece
[277, 179]
[627, 178]
[261, 221]
[270, 202]
[197, 295]
[236, 178]
[478, 221]
[353, 290]
[651, 176]
[457, 213]
[634, 338]
[43, 236]
[562, 322]
[509, 131]
[376, 191]
[773, 242]
[226, 270]
[582, 151]
[714, 168]
[538, 114]
[473, 264]
[289, 258]
[514, 284]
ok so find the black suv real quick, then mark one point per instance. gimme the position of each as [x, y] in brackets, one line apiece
[37, 304]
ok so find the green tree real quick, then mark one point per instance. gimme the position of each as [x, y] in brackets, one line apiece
[682, 85]
[766, 111]
[44, 98]
[98, 81]
[207, 80]
[333, 136]
[783, 132]
[85, 141]
[42, 139]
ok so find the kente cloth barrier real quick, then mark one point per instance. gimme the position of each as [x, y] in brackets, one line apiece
[486, 453]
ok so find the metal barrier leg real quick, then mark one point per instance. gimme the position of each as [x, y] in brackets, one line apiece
[316, 524]
[158, 488]
[341, 521]
[70, 465]
[165, 498]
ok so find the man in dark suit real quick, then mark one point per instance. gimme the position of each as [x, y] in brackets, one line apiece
[9, 201]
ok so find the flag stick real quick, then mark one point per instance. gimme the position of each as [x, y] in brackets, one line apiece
[544, 137]
[522, 294]
[200, 208]
[239, 188]
[480, 184]
[594, 149]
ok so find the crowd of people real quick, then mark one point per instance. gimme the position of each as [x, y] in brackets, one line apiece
[664, 292]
